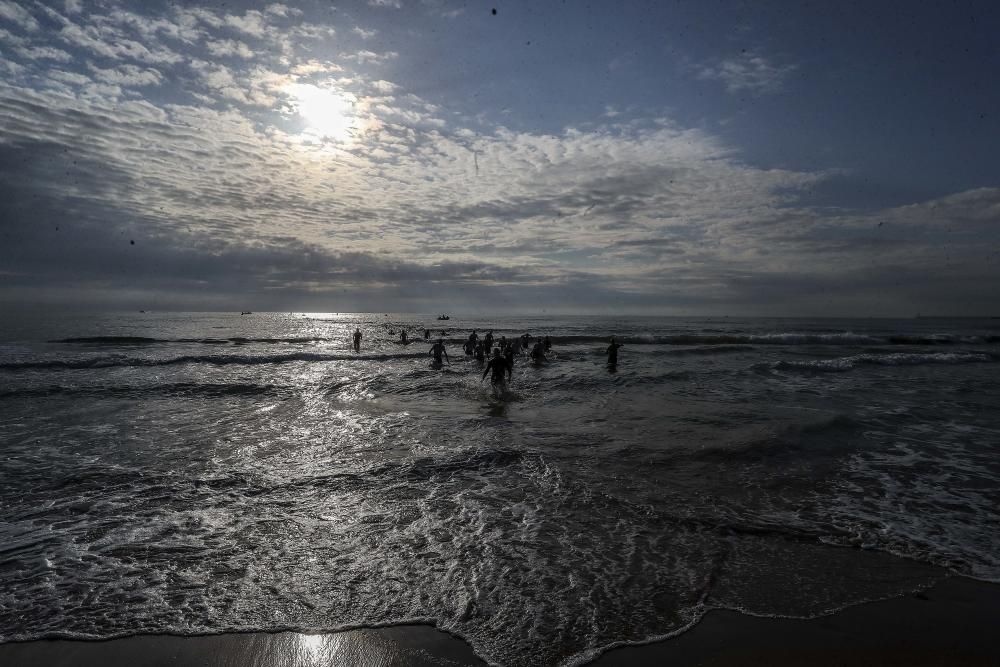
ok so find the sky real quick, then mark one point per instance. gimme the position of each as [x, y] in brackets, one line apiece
[675, 158]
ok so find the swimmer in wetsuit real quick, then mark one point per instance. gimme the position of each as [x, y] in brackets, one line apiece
[357, 339]
[538, 353]
[498, 366]
[437, 350]
[613, 352]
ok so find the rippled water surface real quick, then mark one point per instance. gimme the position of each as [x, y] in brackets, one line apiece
[195, 473]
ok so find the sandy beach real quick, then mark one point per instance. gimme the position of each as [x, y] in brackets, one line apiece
[952, 624]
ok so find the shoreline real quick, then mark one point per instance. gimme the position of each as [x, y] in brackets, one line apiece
[950, 624]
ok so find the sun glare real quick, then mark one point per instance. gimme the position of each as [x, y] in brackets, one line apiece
[327, 114]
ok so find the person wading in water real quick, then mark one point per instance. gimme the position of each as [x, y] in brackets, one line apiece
[437, 350]
[499, 367]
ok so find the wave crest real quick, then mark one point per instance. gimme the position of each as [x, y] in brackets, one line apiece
[842, 364]
[212, 359]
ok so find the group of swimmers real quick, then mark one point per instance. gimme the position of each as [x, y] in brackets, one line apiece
[480, 348]
[501, 364]
[403, 339]
[502, 349]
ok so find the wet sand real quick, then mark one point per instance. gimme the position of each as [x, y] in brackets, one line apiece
[410, 645]
[956, 623]
[953, 624]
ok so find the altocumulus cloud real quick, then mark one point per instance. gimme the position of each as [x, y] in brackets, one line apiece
[174, 158]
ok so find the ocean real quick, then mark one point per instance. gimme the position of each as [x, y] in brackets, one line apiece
[202, 473]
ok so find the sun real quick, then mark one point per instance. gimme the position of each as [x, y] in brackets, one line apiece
[327, 113]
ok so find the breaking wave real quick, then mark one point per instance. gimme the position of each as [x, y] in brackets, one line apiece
[211, 359]
[842, 364]
[141, 340]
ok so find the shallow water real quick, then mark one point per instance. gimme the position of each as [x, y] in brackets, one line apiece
[195, 473]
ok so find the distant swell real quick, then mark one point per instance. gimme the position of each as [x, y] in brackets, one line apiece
[842, 364]
[709, 349]
[213, 359]
[704, 339]
[139, 340]
[785, 338]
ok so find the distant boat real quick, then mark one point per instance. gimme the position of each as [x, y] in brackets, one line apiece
[245, 312]
[443, 317]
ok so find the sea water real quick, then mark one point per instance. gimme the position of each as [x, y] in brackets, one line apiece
[201, 473]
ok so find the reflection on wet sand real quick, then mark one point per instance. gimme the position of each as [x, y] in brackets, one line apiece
[400, 646]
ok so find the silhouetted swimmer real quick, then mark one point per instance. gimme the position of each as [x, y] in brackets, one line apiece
[402, 337]
[538, 353]
[613, 352]
[480, 352]
[427, 334]
[474, 337]
[498, 366]
[525, 339]
[488, 340]
[357, 339]
[509, 355]
[437, 350]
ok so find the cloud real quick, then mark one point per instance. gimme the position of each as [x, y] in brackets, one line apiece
[79, 242]
[229, 47]
[19, 15]
[384, 87]
[282, 10]
[192, 15]
[654, 214]
[8, 37]
[364, 34]
[229, 188]
[222, 81]
[365, 57]
[94, 40]
[43, 53]
[750, 72]
[313, 66]
[128, 75]
[252, 23]
[389, 4]
[182, 26]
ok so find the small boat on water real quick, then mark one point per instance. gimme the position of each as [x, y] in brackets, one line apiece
[245, 312]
